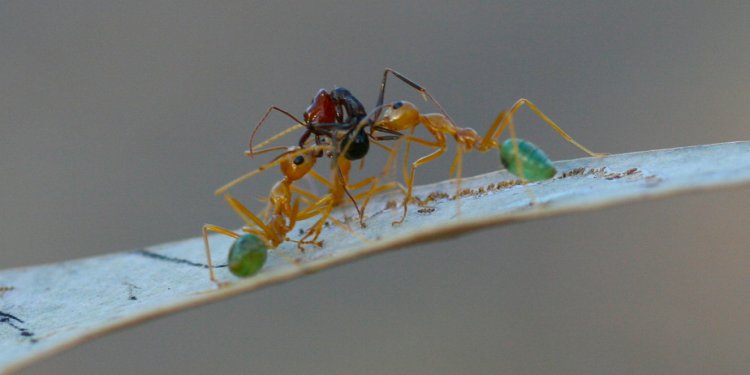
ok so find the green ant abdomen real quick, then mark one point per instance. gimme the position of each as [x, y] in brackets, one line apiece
[247, 255]
[534, 163]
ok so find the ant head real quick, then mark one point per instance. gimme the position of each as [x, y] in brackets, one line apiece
[401, 115]
[322, 108]
[295, 163]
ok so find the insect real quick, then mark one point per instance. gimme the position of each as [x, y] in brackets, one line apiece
[403, 115]
[336, 119]
[248, 253]
[340, 118]
[333, 118]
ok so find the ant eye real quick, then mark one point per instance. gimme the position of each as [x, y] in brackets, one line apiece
[299, 160]
[398, 104]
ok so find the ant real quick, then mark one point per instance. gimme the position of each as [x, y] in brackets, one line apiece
[400, 116]
[334, 118]
[247, 254]
[330, 114]
[338, 111]
[249, 251]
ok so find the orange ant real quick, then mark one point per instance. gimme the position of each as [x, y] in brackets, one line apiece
[400, 116]
[282, 211]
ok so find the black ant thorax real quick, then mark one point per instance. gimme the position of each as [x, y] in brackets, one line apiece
[345, 101]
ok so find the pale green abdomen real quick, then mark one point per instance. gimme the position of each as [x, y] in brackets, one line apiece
[534, 164]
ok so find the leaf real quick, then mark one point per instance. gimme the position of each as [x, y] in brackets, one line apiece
[49, 308]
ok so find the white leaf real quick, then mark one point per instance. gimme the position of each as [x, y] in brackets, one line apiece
[49, 308]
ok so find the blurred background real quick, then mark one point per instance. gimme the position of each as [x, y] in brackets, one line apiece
[118, 119]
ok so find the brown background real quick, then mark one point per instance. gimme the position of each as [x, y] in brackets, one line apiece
[118, 119]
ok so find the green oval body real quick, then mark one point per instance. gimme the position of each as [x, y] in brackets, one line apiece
[535, 163]
[247, 255]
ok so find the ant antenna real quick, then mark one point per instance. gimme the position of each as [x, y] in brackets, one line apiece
[263, 119]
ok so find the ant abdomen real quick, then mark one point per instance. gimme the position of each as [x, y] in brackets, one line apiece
[356, 145]
[247, 255]
[529, 162]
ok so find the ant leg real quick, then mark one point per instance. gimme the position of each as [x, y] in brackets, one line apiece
[315, 208]
[373, 182]
[291, 213]
[375, 188]
[364, 182]
[323, 208]
[332, 188]
[493, 133]
[247, 216]
[294, 214]
[254, 231]
[384, 147]
[379, 188]
[217, 229]
[316, 229]
[519, 164]
[458, 162]
[340, 166]
[341, 179]
[310, 196]
[319, 227]
[263, 119]
[405, 162]
[521, 102]
[438, 143]
[440, 140]
[502, 121]
[317, 177]
[410, 182]
[390, 162]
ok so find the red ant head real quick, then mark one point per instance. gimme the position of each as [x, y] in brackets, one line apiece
[322, 109]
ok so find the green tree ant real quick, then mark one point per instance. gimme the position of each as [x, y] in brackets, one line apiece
[403, 115]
